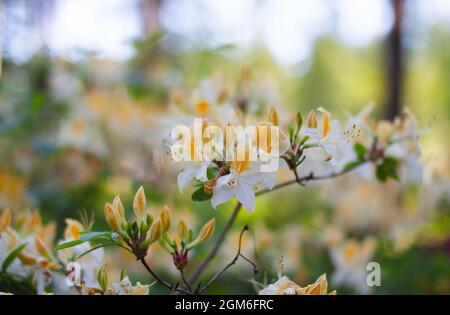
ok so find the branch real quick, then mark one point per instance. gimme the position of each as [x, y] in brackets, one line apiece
[164, 283]
[194, 276]
[225, 268]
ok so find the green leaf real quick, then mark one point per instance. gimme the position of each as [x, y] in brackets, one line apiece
[387, 169]
[211, 172]
[68, 244]
[360, 151]
[9, 260]
[200, 195]
[351, 165]
[88, 236]
[304, 139]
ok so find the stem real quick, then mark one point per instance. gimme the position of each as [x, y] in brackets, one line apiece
[238, 254]
[186, 283]
[164, 283]
[194, 276]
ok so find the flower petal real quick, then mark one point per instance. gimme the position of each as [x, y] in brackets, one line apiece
[245, 195]
[185, 177]
[221, 195]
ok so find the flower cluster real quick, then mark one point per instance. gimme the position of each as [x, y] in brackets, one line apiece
[383, 148]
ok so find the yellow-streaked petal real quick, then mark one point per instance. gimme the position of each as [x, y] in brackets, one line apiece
[5, 219]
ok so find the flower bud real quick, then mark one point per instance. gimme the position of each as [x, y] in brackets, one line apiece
[182, 229]
[312, 119]
[41, 247]
[205, 233]
[118, 208]
[102, 277]
[165, 218]
[5, 219]
[273, 116]
[139, 204]
[155, 232]
[112, 217]
[299, 121]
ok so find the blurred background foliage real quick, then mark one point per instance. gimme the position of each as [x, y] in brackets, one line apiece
[77, 122]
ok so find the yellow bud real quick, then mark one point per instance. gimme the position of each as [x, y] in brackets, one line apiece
[205, 233]
[273, 116]
[139, 204]
[208, 229]
[182, 229]
[118, 208]
[312, 119]
[112, 218]
[27, 259]
[155, 232]
[5, 219]
[41, 247]
[165, 218]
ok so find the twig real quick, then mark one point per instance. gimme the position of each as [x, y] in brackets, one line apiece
[186, 283]
[164, 283]
[194, 276]
[225, 268]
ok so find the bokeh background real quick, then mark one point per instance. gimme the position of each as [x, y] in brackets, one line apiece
[86, 85]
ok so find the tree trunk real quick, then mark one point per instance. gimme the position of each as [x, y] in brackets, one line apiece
[394, 56]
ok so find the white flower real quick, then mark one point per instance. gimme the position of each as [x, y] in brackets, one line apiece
[326, 133]
[239, 183]
[195, 170]
[350, 260]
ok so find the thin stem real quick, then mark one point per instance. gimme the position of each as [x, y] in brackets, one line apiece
[164, 283]
[186, 283]
[194, 276]
[225, 268]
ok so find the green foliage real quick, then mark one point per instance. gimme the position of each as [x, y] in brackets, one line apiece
[387, 169]
[360, 152]
[201, 195]
[10, 258]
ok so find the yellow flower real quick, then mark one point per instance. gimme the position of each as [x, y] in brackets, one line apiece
[202, 107]
[320, 287]
[284, 286]
[73, 229]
